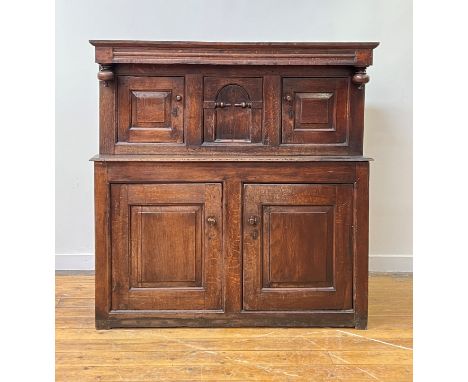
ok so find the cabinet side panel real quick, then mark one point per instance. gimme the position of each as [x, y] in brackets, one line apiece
[361, 244]
[102, 246]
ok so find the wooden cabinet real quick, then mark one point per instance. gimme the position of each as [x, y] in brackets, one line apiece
[230, 186]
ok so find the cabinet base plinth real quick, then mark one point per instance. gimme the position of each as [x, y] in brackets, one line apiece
[318, 319]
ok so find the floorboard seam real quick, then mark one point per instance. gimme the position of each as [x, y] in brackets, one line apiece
[373, 339]
[332, 355]
[264, 368]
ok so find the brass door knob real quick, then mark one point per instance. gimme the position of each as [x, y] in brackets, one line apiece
[211, 220]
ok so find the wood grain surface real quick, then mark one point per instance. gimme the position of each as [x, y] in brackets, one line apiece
[381, 353]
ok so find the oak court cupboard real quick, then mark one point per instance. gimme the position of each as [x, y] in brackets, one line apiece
[230, 185]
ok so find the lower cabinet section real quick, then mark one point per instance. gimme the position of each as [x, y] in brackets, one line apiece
[231, 244]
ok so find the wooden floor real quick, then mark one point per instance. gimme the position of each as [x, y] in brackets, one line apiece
[382, 353]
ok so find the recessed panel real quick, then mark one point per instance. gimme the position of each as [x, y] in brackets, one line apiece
[298, 246]
[150, 109]
[314, 111]
[162, 258]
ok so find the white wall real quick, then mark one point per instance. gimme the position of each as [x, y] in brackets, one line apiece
[388, 136]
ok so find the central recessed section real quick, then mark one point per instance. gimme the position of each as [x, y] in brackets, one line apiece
[232, 110]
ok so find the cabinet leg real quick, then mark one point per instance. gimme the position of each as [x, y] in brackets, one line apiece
[361, 323]
[102, 325]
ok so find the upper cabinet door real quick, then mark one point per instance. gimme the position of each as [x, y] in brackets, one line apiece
[315, 111]
[297, 246]
[232, 110]
[150, 109]
[166, 246]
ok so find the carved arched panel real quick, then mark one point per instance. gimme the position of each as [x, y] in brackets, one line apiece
[233, 116]
[233, 110]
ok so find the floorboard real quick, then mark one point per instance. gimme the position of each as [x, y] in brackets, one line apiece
[381, 353]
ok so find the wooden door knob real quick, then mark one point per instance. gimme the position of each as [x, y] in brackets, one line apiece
[211, 220]
[252, 220]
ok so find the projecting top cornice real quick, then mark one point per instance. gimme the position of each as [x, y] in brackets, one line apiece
[358, 54]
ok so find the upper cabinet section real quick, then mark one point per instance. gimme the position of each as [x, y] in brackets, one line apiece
[232, 98]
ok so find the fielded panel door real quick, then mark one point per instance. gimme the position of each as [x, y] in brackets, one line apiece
[297, 246]
[151, 109]
[166, 246]
[315, 111]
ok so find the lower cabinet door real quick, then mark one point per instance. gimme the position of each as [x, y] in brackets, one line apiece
[297, 247]
[166, 246]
